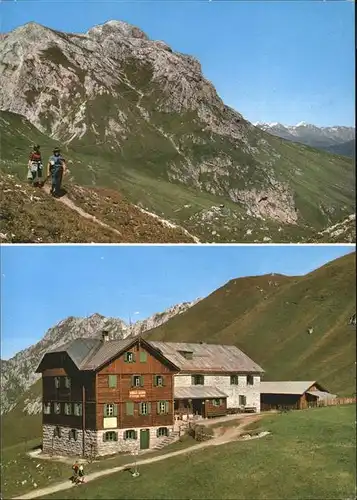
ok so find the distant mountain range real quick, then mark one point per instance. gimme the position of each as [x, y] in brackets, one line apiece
[338, 140]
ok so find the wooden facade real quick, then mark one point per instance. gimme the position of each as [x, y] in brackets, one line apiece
[58, 367]
[127, 388]
[275, 401]
[206, 408]
[129, 384]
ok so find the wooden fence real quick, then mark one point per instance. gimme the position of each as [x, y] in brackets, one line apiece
[337, 401]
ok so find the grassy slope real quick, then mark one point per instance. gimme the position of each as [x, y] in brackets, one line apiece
[309, 455]
[29, 215]
[184, 205]
[271, 326]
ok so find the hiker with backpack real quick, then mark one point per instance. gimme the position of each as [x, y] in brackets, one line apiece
[56, 168]
[35, 166]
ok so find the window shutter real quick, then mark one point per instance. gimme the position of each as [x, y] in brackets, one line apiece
[135, 434]
[193, 380]
[158, 407]
[166, 407]
[141, 381]
[149, 408]
[130, 408]
[112, 381]
[115, 436]
[143, 356]
[133, 354]
[126, 357]
[157, 433]
[155, 380]
[115, 412]
[124, 435]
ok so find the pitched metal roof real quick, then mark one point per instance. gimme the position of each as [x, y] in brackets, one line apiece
[79, 350]
[207, 357]
[198, 392]
[322, 394]
[90, 354]
[285, 387]
[107, 351]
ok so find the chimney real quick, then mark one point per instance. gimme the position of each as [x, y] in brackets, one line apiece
[105, 335]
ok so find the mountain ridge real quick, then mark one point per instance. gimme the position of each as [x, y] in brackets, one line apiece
[18, 371]
[337, 139]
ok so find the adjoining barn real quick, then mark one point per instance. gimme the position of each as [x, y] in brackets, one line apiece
[292, 394]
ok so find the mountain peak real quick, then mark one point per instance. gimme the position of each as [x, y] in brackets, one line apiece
[116, 27]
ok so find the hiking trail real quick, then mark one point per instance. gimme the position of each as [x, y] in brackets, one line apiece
[70, 204]
[227, 437]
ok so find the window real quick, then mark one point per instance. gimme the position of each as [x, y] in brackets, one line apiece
[57, 432]
[130, 408]
[162, 407]
[73, 434]
[129, 357]
[158, 380]
[57, 382]
[234, 379]
[162, 431]
[47, 408]
[68, 408]
[143, 357]
[242, 400]
[112, 381]
[130, 434]
[67, 382]
[110, 436]
[57, 408]
[145, 408]
[137, 381]
[110, 410]
[250, 380]
[198, 380]
[217, 402]
[77, 409]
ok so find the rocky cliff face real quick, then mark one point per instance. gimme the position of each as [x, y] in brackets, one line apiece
[17, 373]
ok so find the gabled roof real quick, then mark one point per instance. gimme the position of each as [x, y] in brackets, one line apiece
[79, 350]
[287, 387]
[208, 357]
[322, 394]
[92, 354]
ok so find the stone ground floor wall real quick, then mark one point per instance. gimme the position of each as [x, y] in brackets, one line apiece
[67, 445]
[94, 445]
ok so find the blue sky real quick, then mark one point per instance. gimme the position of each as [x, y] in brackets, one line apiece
[41, 285]
[287, 61]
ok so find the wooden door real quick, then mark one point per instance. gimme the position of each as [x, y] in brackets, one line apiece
[144, 439]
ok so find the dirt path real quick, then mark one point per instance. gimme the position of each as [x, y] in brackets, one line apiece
[228, 436]
[70, 204]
